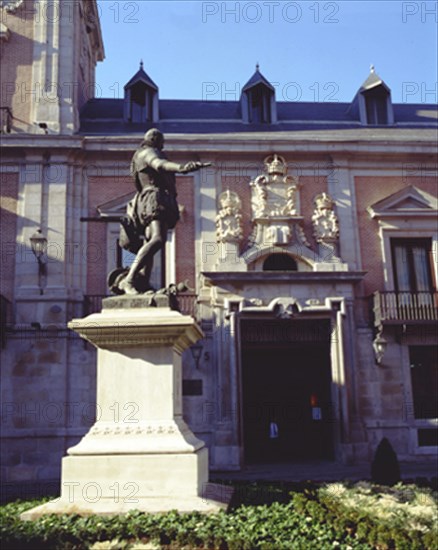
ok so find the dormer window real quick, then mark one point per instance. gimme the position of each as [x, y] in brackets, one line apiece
[140, 108]
[259, 105]
[372, 103]
[376, 105]
[141, 98]
[258, 100]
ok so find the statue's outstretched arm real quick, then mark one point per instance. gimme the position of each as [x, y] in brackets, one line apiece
[165, 165]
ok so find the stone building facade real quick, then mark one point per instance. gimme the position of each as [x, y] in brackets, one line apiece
[309, 245]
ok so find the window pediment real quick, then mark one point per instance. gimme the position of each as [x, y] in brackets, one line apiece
[409, 201]
[115, 207]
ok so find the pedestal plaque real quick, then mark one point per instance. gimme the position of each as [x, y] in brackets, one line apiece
[140, 454]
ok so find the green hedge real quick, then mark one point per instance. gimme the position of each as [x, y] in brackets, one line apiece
[334, 516]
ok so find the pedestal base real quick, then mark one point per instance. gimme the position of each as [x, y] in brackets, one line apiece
[116, 484]
[130, 477]
[217, 497]
[140, 454]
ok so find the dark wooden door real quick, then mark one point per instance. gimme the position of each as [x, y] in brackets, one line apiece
[286, 389]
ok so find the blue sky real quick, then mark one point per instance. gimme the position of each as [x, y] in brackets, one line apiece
[316, 50]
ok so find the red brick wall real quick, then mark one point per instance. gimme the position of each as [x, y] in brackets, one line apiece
[101, 189]
[368, 191]
[17, 57]
[185, 232]
[8, 229]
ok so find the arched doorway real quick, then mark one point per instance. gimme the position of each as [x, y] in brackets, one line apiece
[280, 262]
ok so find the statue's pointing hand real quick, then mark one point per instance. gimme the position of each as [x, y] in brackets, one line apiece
[193, 166]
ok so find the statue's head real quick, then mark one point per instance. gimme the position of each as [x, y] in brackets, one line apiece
[154, 138]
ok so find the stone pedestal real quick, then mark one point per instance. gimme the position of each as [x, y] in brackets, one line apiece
[140, 454]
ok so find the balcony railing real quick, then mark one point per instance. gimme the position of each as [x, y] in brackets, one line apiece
[187, 303]
[405, 307]
[5, 120]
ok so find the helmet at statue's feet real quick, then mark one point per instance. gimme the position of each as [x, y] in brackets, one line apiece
[127, 287]
[115, 277]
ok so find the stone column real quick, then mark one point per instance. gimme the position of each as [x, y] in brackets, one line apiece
[140, 454]
[340, 186]
[206, 185]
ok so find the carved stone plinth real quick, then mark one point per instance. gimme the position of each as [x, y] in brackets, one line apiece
[140, 454]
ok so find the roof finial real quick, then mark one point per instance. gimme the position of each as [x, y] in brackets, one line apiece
[141, 64]
[372, 68]
[257, 66]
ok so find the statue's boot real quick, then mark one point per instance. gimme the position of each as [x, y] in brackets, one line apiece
[128, 287]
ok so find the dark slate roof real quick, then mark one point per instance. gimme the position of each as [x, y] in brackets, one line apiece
[257, 78]
[373, 81]
[199, 110]
[416, 113]
[105, 117]
[96, 109]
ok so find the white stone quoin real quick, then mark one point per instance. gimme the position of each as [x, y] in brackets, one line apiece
[139, 454]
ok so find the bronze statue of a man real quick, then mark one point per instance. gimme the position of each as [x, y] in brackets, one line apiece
[152, 212]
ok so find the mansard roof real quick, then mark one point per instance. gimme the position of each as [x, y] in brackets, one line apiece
[106, 116]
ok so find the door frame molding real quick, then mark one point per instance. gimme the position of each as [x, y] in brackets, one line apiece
[342, 356]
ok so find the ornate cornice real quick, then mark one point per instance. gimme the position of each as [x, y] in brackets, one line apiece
[293, 277]
[149, 327]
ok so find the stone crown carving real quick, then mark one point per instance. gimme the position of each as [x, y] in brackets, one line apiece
[275, 164]
[11, 6]
[274, 193]
[325, 222]
[229, 218]
[275, 205]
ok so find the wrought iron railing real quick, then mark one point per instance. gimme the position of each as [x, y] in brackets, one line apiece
[5, 120]
[187, 303]
[403, 307]
[93, 303]
[5, 318]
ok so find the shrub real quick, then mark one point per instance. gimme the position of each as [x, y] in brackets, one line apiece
[341, 516]
[385, 469]
[382, 517]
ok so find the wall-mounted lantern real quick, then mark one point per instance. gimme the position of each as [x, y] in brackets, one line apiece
[196, 351]
[38, 243]
[379, 345]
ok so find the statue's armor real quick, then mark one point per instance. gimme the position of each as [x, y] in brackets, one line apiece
[156, 189]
